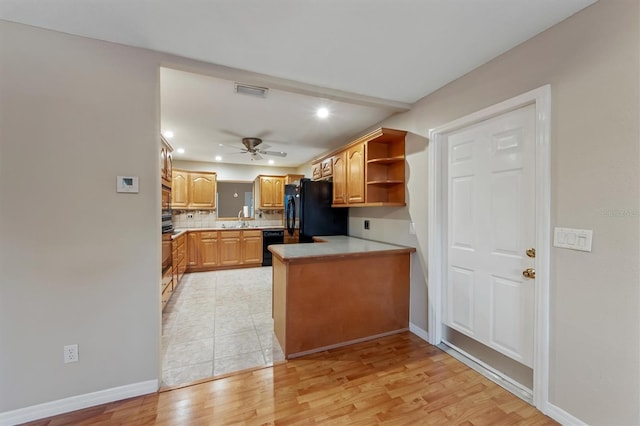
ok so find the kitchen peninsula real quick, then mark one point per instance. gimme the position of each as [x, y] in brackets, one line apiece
[338, 291]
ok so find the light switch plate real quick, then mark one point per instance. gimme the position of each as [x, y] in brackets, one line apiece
[574, 239]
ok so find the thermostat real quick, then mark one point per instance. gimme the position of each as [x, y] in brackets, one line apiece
[127, 184]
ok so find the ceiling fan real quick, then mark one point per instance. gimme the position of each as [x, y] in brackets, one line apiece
[251, 147]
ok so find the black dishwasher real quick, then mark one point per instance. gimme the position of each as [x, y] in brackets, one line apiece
[270, 236]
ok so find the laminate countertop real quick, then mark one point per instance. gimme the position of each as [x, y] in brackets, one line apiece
[337, 246]
[180, 231]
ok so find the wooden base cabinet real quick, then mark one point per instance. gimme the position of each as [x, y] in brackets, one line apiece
[230, 253]
[166, 285]
[179, 247]
[252, 247]
[210, 250]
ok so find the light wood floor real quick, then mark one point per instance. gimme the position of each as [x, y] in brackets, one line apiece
[396, 380]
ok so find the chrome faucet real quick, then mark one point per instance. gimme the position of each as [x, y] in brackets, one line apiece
[240, 219]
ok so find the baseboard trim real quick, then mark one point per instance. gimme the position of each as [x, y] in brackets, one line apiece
[561, 416]
[77, 402]
[423, 334]
[347, 343]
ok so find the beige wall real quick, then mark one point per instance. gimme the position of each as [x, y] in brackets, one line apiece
[591, 61]
[75, 113]
[79, 263]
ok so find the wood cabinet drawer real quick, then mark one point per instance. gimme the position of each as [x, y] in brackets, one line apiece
[252, 233]
[208, 235]
[230, 234]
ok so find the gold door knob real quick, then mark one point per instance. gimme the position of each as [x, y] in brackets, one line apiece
[529, 273]
[531, 252]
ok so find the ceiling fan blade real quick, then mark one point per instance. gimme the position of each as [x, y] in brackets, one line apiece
[263, 134]
[242, 149]
[256, 156]
[274, 153]
[231, 133]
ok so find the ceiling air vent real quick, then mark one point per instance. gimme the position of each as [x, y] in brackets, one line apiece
[245, 89]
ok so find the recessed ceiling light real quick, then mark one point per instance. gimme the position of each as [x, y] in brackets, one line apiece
[218, 158]
[271, 161]
[168, 134]
[322, 112]
[180, 150]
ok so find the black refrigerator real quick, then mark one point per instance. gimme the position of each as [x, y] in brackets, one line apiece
[309, 206]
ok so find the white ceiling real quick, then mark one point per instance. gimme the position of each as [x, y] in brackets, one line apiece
[398, 51]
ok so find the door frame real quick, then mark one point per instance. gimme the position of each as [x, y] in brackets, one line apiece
[437, 155]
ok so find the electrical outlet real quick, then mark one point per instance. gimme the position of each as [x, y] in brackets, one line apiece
[189, 215]
[70, 353]
[366, 224]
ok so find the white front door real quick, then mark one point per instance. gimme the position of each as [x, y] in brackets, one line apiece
[489, 189]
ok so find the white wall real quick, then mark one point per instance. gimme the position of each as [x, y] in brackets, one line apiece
[79, 263]
[591, 61]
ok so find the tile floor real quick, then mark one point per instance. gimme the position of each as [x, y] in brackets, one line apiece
[218, 322]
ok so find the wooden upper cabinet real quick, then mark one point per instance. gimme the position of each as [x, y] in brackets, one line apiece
[368, 172]
[180, 190]
[355, 174]
[166, 162]
[202, 190]
[270, 192]
[316, 171]
[193, 190]
[386, 168]
[293, 179]
[327, 168]
[339, 178]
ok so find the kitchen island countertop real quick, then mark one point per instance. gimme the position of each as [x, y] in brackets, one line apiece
[335, 246]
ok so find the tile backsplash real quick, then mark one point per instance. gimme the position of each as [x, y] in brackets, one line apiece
[209, 219]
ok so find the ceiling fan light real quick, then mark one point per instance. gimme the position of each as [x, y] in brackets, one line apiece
[257, 91]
